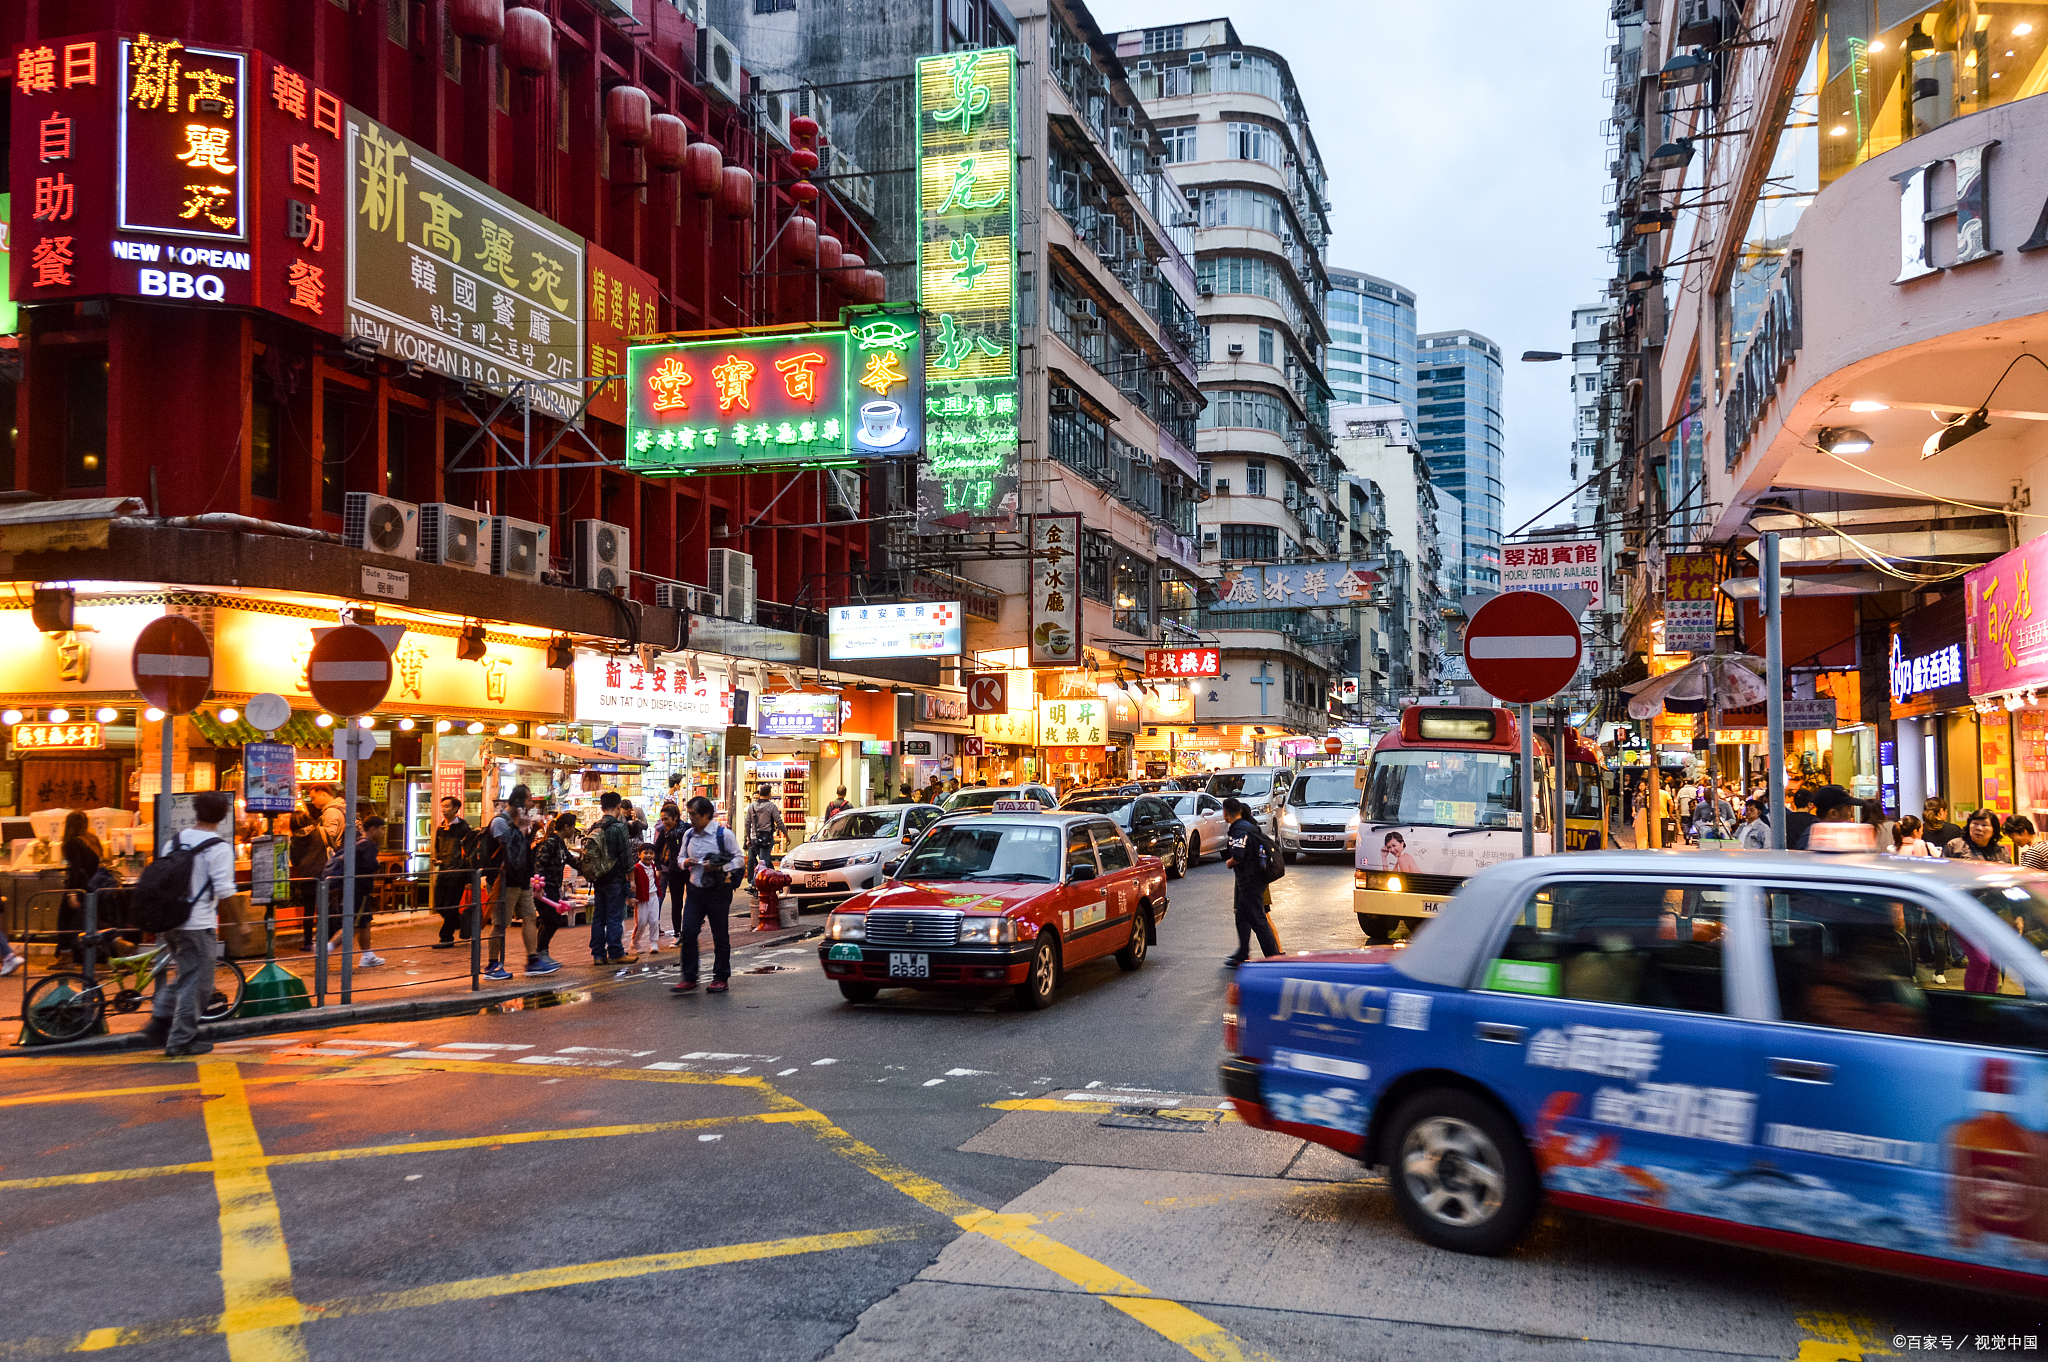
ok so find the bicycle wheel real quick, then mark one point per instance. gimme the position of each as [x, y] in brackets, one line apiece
[63, 1007]
[226, 997]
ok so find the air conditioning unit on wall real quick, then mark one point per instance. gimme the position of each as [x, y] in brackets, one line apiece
[380, 524]
[718, 66]
[732, 584]
[776, 108]
[453, 536]
[604, 557]
[519, 548]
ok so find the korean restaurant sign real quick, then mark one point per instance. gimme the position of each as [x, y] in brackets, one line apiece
[967, 287]
[1690, 580]
[1572, 565]
[623, 303]
[1291, 587]
[734, 403]
[300, 216]
[2006, 644]
[620, 690]
[445, 271]
[1055, 590]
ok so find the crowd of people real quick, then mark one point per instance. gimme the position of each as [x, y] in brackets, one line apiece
[1707, 811]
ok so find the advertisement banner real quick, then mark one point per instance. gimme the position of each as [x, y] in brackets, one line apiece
[1298, 587]
[623, 303]
[1174, 663]
[1055, 590]
[1073, 721]
[1570, 565]
[1690, 580]
[445, 271]
[2007, 638]
[269, 777]
[300, 204]
[737, 403]
[620, 690]
[906, 629]
[797, 715]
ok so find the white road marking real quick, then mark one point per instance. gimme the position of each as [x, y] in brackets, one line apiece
[967, 1073]
[414, 1177]
[707, 1139]
[818, 1062]
[668, 1065]
[588, 1050]
[742, 1069]
[566, 1059]
[1096, 1084]
[479, 1045]
[933, 1082]
[785, 1073]
[1098, 1096]
[444, 1054]
[721, 1054]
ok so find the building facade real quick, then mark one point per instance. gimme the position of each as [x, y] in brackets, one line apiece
[1458, 383]
[1382, 458]
[1372, 341]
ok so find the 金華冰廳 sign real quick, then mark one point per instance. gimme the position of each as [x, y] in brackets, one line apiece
[737, 402]
[1276, 587]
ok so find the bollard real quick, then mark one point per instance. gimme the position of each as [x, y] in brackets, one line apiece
[476, 931]
[320, 942]
[92, 924]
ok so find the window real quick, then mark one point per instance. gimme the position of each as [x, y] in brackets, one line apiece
[1179, 143]
[1250, 542]
[771, 6]
[1202, 469]
[1243, 208]
[1097, 551]
[1080, 851]
[1617, 941]
[1166, 39]
[1255, 477]
[1111, 849]
[1253, 142]
[1265, 346]
[334, 452]
[85, 422]
[1260, 411]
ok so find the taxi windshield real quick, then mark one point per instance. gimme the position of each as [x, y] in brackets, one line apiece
[861, 824]
[979, 850]
[1447, 789]
[1326, 787]
[1253, 783]
[1118, 807]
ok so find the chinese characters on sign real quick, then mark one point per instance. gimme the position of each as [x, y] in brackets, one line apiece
[2006, 638]
[967, 286]
[1055, 590]
[737, 402]
[181, 118]
[1298, 587]
[300, 207]
[445, 271]
[1174, 663]
[1073, 721]
[616, 690]
[81, 737]
[269, 777]
[622, 304]
[1573, 566]
[888, 382]
[906, 629]
[800, 715]
[1689, 583]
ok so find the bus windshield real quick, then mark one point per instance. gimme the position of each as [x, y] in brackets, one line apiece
[1582, 788]
[1447, 789]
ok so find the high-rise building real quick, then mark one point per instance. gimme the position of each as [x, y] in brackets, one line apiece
[1372, 341]
[1378, 451]
[1458, 408]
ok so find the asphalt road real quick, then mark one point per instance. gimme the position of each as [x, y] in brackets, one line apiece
[777, 1174]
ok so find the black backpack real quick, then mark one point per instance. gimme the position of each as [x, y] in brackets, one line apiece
[162, 898]
[514, 855]
[1276, 862]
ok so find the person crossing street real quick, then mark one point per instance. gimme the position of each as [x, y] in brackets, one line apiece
[704, 860]
[762, 825]
[1252, 858]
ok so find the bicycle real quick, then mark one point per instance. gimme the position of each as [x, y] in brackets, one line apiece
[67, 1006]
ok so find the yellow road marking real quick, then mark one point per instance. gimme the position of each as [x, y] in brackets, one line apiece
[1203, 1114]
[262, 1318]
[92, 1094]
[1174, 1321]
[162, 1170]
[1839, 1338]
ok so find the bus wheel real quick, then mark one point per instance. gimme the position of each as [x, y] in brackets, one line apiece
[1375, 926]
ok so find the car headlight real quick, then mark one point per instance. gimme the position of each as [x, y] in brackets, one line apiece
[987, 931]
[846, 927]
[1373, 879]
[1351, 823]
[1288, 820]
[864, 860]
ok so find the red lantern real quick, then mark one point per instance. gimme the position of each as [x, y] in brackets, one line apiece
[851, 263]
[736, 192]
[800, 239]
[802, 127]
[878, 286]
[478, 21]
[529, 41]
[627, 113]
[703, 162]
[831, 257]
[668, 140]
[804, 192]
[804, 161]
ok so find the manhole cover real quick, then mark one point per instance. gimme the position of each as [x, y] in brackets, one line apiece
[1151, 1118]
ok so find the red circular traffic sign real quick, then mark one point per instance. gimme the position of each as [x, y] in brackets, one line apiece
[1523, 646]
[173, 664]
[349, 671]
[1333, 745]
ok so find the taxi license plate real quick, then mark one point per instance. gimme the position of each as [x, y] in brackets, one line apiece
[815, 882]
[910, 966]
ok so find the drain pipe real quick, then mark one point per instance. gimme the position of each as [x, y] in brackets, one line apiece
[227, 520]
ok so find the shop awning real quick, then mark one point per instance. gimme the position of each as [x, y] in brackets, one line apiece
[53, 526]
[577, 751]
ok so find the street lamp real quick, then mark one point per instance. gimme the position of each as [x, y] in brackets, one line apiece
[1954, 433]
[1545, 356]
[1844, 440]
[1670, 156]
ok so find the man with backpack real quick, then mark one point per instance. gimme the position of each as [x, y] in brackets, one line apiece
[508, 853]
[705, 858]
[759, 829]
[607, 863]
[193, 871]
[452, 853]
[1256, 864]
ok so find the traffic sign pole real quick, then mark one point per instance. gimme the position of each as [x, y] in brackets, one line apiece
[1528, 784]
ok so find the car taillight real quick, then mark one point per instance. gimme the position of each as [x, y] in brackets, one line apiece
[1230, 1021]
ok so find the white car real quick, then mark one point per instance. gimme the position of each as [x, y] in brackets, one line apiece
[1202, 816]
[1321, 812]
[854, 851]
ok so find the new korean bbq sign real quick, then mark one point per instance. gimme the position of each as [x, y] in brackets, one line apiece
[739, 402]
[1523, 646]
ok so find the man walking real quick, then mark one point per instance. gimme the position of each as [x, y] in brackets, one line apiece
[174, 1016]
[451, 873]
[668, 835]
[1250, 856]
[510, 886]
[705, 856]
[608, 865]
[761, 826]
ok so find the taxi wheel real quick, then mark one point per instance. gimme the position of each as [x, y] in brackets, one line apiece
[1460, 1174]
[858, 993]
[1133, 955]
[1037, 989]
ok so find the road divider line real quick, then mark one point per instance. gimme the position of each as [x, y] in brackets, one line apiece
[262, 1317]
[162, 1170]
[1172, 1320]
[1070, 1107]
[93, 1094]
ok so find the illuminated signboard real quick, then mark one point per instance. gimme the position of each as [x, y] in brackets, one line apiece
[1072, 721]
[1174, 663]
[181, 142]
[908, 629]
[300, 213]
[794, 715]
[967, 287]
[624, 303]
[445, 271]
[318, 771]
[58, 738]
[887, 375]
[737, 402]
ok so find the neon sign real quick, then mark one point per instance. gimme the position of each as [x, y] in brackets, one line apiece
[1910, 676]
[734, 403]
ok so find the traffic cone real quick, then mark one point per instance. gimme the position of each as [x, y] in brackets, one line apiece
[272, 990]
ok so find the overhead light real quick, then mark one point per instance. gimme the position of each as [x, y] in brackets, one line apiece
[1671, 156]
[561, 653]
[1838, 132]
[362, 347]
[1867, 405]
[60, 716]
[10, 716]
[1846, 440]
[442, 726]
[1260, 731]
[1541, 356]
[507, 729]
[541, 730]
[227, 716]
[324, 720]
[106, 714]
[153, 714]
[366, 721]
[2014, 702]
[1954, 433]
[1687, 68]
[869, 688]
[52, 608]
[2022, 30]
[469, 644]
[405, 725]
[474, 728]
[901, 690]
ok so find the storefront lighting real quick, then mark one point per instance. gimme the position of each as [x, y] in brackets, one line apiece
[561, 653]
[229, 715]
[1845, 440]
[1670, 156]
[506, 730]
[60, 716]
[11, 716]
[405, 725]
[106, 714]
[324, 720]
[442, 726]
[869, 688]
[2018, 31]
[2014, 703]
[366, 722]
[153, 715]
[469, 644]
[474, 728]
[1954, 433]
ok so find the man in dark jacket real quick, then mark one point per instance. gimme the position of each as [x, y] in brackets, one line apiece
[1799, 818]
[509, 883]
[1249, 855]
[451, 878]
[367, 845]
[608, 891]
[1935, 827]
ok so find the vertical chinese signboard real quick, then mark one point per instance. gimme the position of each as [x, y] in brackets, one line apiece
[967, 286]
[737, 403]
[623, 304]
[1690, 580]
[300, 211]
[445, 271]
[1055, 591]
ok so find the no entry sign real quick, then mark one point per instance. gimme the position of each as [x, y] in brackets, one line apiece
[1523, 646]
[173, 664]
[350, 671]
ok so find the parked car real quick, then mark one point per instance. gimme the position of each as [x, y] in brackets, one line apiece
[853, 851]
[1778, 1049]
[999, 899]
[985, 796]
[1262, 788]
[1147, 820]
[1201, 818]
[1321, 813]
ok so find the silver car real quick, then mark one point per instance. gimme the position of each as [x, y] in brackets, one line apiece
[1321, 813]
[1202, 817]
[854, 851]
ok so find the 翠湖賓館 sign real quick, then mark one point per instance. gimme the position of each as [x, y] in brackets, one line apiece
[622, 690]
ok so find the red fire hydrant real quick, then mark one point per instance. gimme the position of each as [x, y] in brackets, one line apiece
[769, 908]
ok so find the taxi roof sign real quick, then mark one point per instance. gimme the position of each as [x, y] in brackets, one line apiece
[1017, 806]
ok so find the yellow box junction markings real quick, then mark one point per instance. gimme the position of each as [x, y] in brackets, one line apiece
[262, 1320]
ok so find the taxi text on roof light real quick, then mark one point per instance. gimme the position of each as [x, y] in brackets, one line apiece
[1017, 806]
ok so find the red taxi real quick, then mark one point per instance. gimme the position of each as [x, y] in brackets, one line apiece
[1003, 898]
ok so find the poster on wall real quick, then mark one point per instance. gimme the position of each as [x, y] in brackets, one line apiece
[269, 777]
[1055, 590]
[799, 715]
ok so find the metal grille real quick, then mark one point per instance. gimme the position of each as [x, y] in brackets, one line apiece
[913, 929]
[818, 865]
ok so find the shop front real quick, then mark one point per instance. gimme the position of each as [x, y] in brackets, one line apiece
[1935, 729]
[671, 715]
[2006, 656]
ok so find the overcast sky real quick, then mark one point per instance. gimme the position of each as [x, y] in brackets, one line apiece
[1462, 140]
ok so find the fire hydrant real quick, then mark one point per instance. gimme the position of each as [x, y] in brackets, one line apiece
[770, 909]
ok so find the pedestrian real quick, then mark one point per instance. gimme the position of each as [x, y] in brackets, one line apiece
[509, 858]
[646, 908]
[666, 837]
[759, 829]
[1980, 840]
[195, 944]
[2033, 853]
[840, 804]
[329, 815]
[368, 839]
[1250, 856]
[608, 865]
[308, 850]
[1936, 828]
[551, 856]
[1907, 838]
[704, 860]
[83, 857]
[636, 826]
[1799, 816]
[1711, 813]
[451, 872]
[1755, 834]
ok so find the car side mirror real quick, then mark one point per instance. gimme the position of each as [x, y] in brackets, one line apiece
[1078, 873]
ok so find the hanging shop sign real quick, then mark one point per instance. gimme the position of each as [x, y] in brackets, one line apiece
[1018, 728]
[934, 706]
[887, 378]
[300, 209]
[789, 714]
[738, 638]
[967, 289]
[1573, 565]
[1055, 590]
[737, 403]
[1173, 663]
[1295, 587]
[1076, 754]
[2006, 638]
[1929, 671]
[1766, 359]
[904, 629]
[622, 303]
[317, 770]
[623, 690]
[445, 271]
[1073, 721]
[1689, 583]
[33, 739]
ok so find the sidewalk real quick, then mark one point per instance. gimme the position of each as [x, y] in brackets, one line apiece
[416, 981]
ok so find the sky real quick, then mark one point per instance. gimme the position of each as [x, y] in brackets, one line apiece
[1463, 143]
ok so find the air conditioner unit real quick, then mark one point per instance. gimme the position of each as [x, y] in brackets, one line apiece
[811, 104]
[1287, 241]
[842, 490]
[1158, 162]
[453, 536]
[1087, 326]
[718, 65]
[1208, 536]
[859, 192]
[693, 10]
[1188, 409]
[380, 524]
[1223, 487]
[604, 556]
[1144, 68]
[682, 596]
[1205, 289]
[519, 548]
[1198, 59]
[776, 108]
[732, 584]
[1237, 59]
[1236, 349]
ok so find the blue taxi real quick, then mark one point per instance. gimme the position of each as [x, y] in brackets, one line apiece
[1844, 1057]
